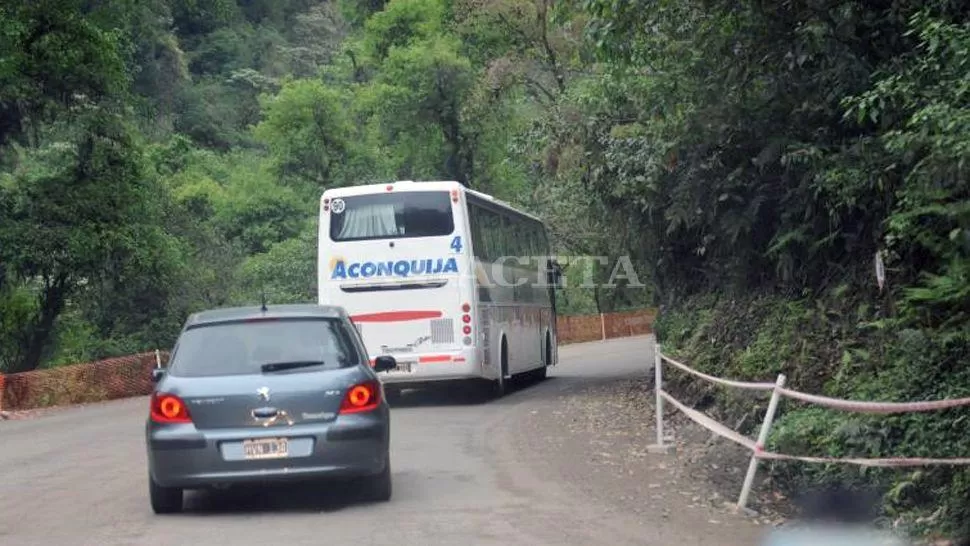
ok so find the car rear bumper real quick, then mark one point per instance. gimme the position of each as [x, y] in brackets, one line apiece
[351, 446]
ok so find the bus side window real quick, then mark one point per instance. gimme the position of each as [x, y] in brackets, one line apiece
[510, 227]
[494, 236]
[478, 233]
[535, 263]
[513, 236]
[533, 247]
[513, 242]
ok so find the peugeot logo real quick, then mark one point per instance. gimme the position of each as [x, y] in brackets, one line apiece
[263, 393]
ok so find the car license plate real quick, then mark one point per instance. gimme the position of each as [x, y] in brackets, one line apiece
[403, 367]
[266, 448]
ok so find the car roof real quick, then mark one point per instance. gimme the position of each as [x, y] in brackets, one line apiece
[287, 311]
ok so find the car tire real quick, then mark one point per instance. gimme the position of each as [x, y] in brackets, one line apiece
[379, 487]
[165, 500]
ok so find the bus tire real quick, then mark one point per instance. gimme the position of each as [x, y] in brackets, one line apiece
[393, 394]
[549, 361]
[546, 360]
[498, 386]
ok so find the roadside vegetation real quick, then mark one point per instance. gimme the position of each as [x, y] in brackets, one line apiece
[751, 158]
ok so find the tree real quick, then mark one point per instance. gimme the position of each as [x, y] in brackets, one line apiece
[307, 130]
[74, 203]
[417, 100]
[54, 57]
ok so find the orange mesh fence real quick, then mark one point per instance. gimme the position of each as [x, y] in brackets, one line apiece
[81, 383]
[576, 329]
[131, 375]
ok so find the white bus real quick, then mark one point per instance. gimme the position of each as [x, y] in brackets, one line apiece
[425, 270]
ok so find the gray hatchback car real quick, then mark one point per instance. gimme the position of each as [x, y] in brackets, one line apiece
[257, 395]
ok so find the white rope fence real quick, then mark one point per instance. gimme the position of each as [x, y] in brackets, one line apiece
[777, 391]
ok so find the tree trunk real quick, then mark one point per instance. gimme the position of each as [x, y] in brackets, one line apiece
[37, 339]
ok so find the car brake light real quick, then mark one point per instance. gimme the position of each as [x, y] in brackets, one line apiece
[168, 408]
[361, 397]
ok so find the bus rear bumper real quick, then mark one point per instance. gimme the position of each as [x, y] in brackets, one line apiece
[435, 367]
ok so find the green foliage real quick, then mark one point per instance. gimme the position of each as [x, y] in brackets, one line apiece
[418, 97]
[54, 58]
[307, 130]
[286, 273]
[840, 346]
[400, 24]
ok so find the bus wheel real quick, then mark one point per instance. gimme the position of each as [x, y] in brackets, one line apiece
[393, 394]
[498, 386]
[548, 360]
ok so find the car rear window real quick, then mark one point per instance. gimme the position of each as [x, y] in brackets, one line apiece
[238, 348]
[391, 216]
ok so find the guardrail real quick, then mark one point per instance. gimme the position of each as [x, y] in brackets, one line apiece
[778, 390]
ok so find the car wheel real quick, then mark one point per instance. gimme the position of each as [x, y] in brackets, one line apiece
[165, 500]
[378, 488]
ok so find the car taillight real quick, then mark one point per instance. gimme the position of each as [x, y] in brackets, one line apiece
[168, 408]
[361, 397]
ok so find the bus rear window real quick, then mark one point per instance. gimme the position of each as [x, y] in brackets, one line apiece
[392, 216]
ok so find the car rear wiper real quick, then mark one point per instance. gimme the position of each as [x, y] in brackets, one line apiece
[280, 366]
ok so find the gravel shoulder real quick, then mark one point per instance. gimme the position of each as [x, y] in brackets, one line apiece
[591, 433]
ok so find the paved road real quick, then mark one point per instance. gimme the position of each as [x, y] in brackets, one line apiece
[464, 473]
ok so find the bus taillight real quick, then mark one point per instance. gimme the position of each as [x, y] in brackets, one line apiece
[466, 318]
